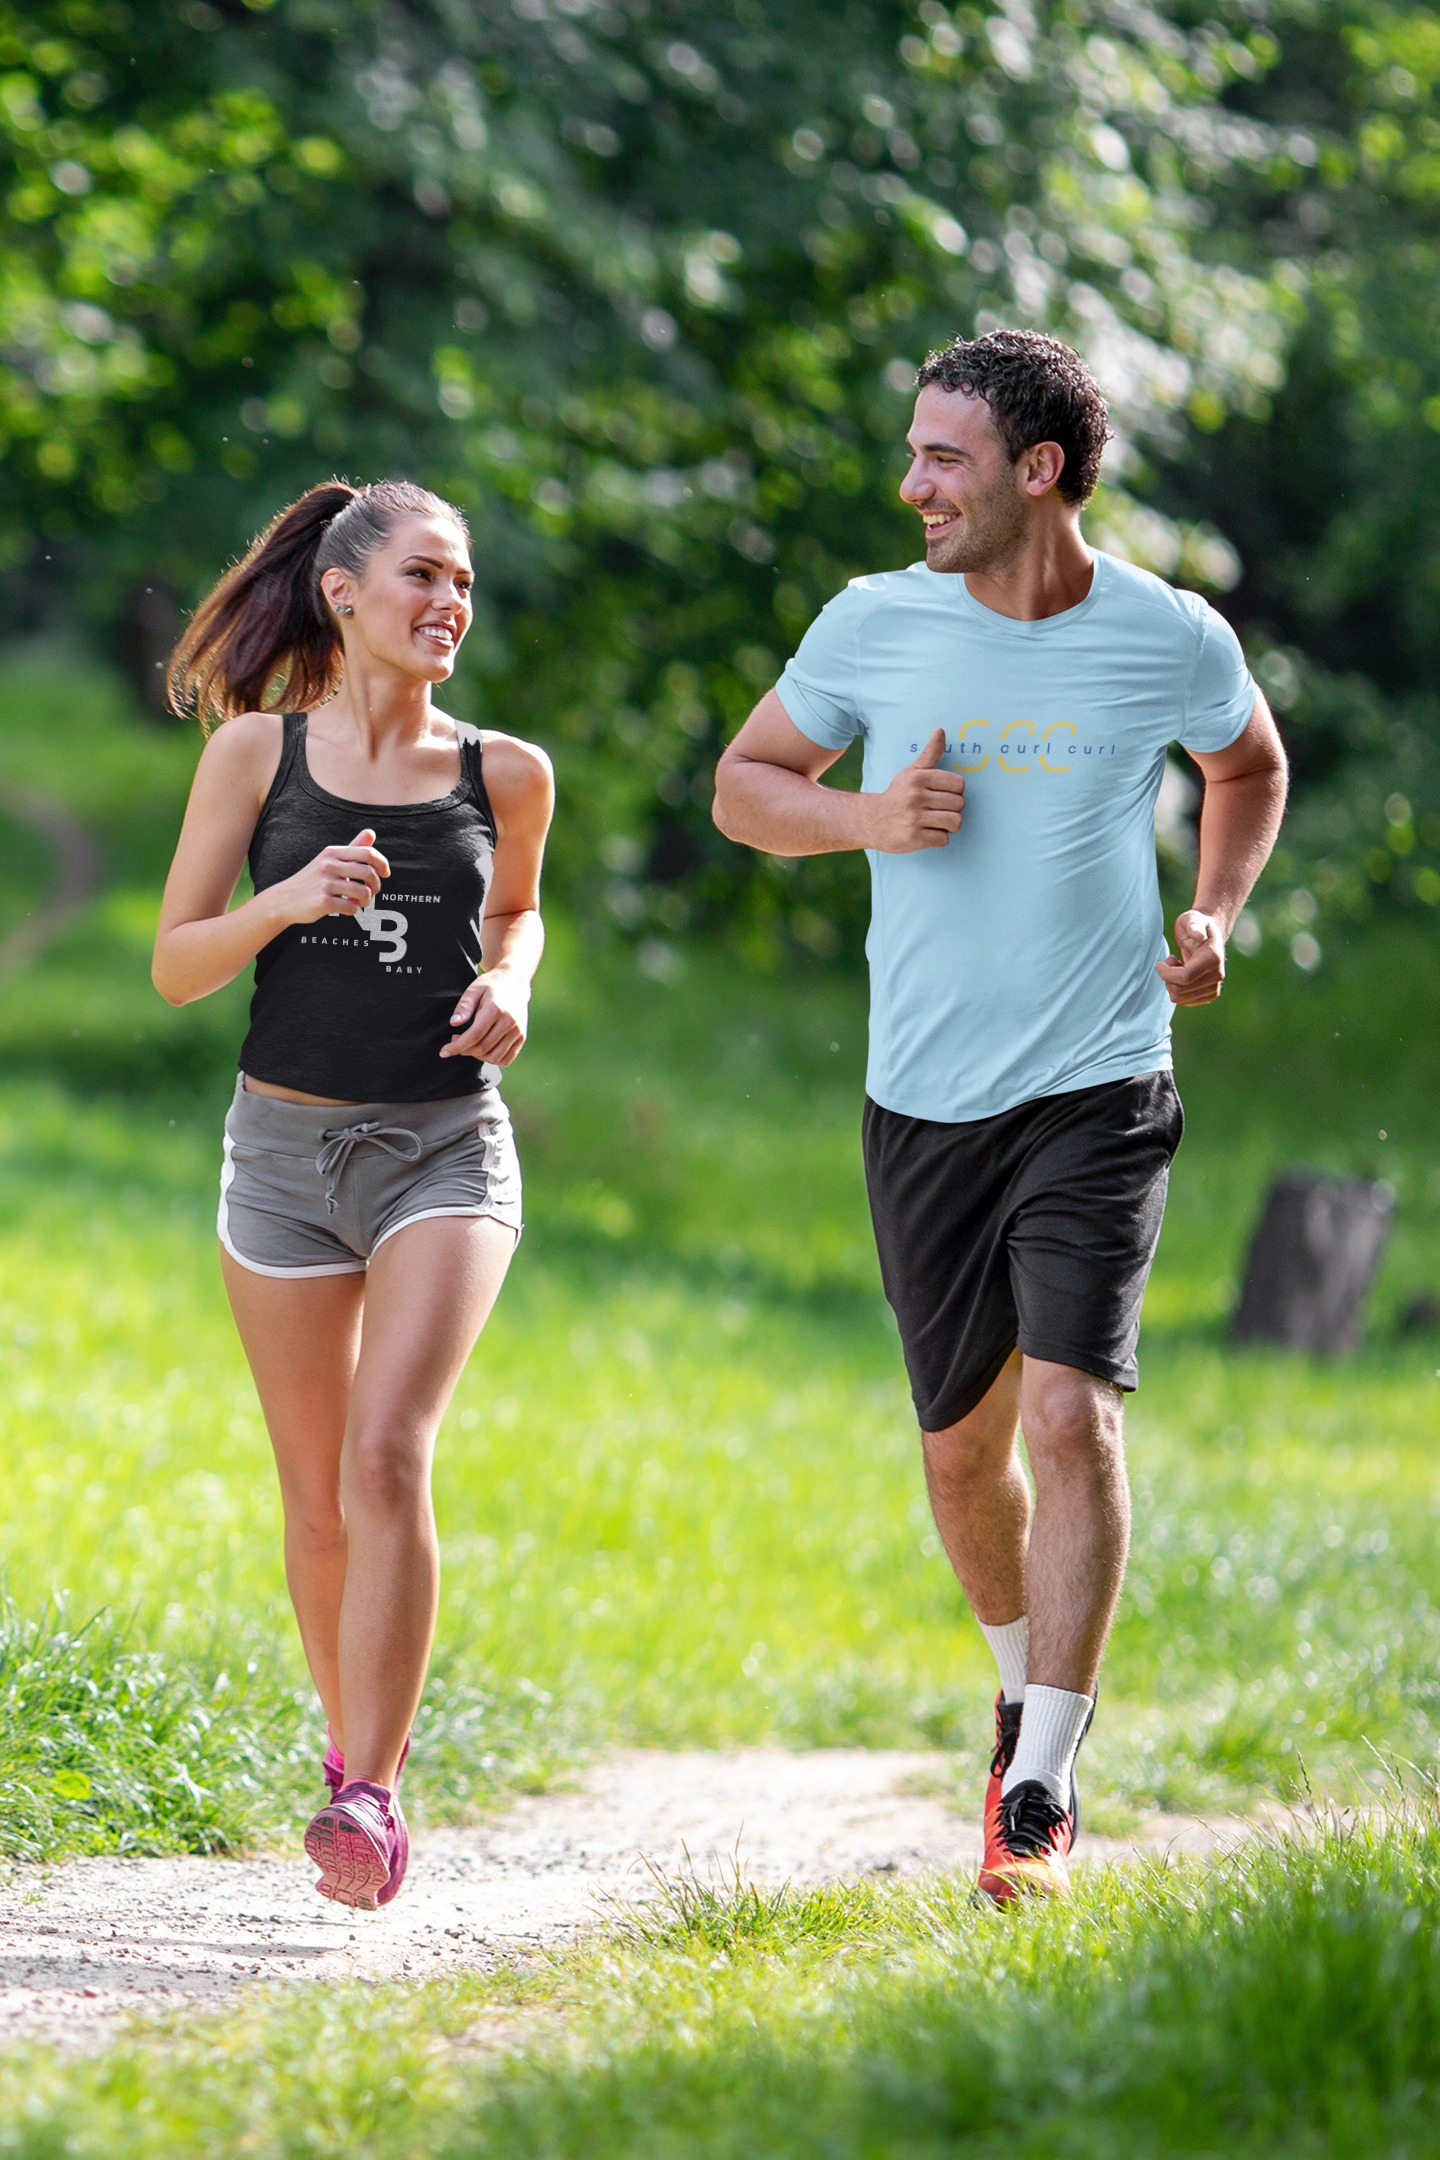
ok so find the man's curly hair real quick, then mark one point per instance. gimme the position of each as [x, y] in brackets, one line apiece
[1038, 390]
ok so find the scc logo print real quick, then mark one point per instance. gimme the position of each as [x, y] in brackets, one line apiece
[1021, 750]
[385, 926]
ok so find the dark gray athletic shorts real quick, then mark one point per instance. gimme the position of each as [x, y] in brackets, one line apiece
[1035, 1228]
[310, 1189]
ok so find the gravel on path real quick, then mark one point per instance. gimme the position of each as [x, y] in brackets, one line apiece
[87, 1941]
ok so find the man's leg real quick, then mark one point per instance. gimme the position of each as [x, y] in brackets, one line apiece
[1074, 1436]
[1065, 1568]
[981, 1502]
[1046, 1588]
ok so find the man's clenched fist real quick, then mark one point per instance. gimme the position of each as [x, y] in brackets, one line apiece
[1195, 978]
[922, 806]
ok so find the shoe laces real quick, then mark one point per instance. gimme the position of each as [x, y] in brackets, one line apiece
[1029, 1818]
[1006, 1736]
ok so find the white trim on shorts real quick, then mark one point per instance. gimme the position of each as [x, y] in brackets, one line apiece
[356, 1266]
[256, 1267]
[327, 1267]
[349, 1267]
[430, 1214]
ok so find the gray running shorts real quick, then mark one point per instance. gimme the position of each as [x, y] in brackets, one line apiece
[312, 1189]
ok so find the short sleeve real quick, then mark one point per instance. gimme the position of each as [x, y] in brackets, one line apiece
[1222, 690]
[820, 686]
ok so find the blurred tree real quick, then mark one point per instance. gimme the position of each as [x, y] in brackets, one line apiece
[642, 286]
[1328, 489]
[1330, 493]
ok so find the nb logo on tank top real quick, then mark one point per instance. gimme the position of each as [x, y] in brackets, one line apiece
[385, 926]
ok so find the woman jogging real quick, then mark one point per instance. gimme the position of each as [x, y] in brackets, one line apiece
[370, 1195]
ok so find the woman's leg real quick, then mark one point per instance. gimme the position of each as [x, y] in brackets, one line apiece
[429, 1292]
[302, 1340]
[354, 1373]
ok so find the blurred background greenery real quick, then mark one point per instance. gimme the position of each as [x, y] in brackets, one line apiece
[642, 284]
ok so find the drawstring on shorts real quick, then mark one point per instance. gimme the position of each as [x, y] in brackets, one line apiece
[342, 1140]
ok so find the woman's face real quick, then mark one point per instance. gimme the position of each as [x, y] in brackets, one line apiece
[411, 601]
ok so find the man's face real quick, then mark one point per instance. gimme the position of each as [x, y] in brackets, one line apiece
[972, 498]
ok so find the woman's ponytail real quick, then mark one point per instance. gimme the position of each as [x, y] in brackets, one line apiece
[266, 638]
[265, 635]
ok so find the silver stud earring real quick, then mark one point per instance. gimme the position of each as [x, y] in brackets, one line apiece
[345, 611]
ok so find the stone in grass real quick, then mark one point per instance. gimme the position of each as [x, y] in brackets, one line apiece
[1312, 1260]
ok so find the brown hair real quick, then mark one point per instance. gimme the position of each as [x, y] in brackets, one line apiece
[1038, 390]
[266, 636]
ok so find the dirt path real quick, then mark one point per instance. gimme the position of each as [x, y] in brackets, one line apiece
[77, 874]
[83, 1943]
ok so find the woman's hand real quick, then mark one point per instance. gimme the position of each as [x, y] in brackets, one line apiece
[202, 941]
[340, 881]
[494, 1013]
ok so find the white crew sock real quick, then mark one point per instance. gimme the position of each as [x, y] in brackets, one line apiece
[1049, 1738]
[1011, 1645]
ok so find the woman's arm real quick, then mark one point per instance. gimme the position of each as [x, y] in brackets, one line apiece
[493, 1012]
[199, 946]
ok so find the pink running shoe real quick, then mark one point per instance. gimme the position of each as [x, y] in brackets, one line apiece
[354, 1843]
[399, 1853]
[332, 1769]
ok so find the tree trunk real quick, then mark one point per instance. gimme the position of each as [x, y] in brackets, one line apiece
[1313, 1259]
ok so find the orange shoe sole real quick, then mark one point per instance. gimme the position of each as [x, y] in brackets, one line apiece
[1044, 1876]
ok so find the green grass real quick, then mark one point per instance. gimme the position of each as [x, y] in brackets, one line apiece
[1285, 2003]
[679, 1488]
[680, 1502]
[104, 1745]
[26, 873]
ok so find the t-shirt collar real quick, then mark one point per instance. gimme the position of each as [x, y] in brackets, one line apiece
[993, 624]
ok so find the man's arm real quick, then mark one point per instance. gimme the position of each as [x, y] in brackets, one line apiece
[768, 795]
[1240, 815]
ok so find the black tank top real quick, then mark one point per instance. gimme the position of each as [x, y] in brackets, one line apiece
[358, 1006]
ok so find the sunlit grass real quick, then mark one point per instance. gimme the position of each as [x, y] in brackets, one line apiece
[106, 1746]
[680, 1501]
[1285, 2002]
[679, 1487]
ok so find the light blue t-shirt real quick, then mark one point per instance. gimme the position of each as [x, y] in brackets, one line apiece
[1019, 960]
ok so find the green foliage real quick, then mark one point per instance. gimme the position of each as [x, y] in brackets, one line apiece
[1328, 494]
[106, 1746]
[1363, 834]
[643, 293]
[1285, 2002]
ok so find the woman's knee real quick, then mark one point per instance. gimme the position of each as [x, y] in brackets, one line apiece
[385, 1469]
[314, 1522]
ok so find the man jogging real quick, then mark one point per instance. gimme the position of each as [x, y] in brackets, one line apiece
[1016, 693]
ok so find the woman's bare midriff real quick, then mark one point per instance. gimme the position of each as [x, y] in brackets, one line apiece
[284, 1094]
[298, 1095]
